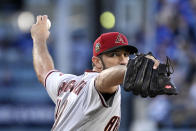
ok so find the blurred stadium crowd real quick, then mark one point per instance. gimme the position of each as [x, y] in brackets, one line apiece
[176, 37]
[24, 103]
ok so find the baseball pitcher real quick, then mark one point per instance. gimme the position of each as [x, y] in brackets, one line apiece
[91, 102]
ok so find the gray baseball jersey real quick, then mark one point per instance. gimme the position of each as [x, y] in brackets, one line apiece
[79, 106]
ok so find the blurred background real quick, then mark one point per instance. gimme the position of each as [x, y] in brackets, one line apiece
[164, 27]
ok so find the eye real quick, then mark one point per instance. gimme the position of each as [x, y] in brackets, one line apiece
[126, 54]
[113, 54]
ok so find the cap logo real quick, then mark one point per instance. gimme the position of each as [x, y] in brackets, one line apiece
[119, 39]
[97, 47]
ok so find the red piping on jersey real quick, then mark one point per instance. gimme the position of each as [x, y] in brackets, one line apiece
[102, 99]
[90, 71]
[50, 72]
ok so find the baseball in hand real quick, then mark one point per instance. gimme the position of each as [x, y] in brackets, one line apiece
[48, 24]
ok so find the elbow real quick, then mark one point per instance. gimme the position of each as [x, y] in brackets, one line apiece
[41, 74]
[40, 78]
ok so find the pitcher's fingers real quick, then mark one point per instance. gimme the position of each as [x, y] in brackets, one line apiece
[44, 18]
[38, 19]
[156, 64]
[150, 57]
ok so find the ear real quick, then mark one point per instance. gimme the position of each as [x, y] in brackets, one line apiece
[97, 62]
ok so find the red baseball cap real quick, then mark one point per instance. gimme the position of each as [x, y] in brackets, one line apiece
[111, 41]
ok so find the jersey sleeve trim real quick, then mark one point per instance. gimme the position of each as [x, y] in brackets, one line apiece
[102, 99]
[50, 72]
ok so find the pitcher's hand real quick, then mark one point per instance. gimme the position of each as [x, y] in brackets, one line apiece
[39, 31]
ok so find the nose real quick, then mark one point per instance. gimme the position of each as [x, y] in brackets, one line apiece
[123, 60]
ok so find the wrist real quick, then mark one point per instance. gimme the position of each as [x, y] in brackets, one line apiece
[39, 41]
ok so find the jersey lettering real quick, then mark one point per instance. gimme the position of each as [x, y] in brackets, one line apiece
[59, 112]
[58, 107]
[61, 109]
[71, 86]
[78, 88]
[113, 124]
